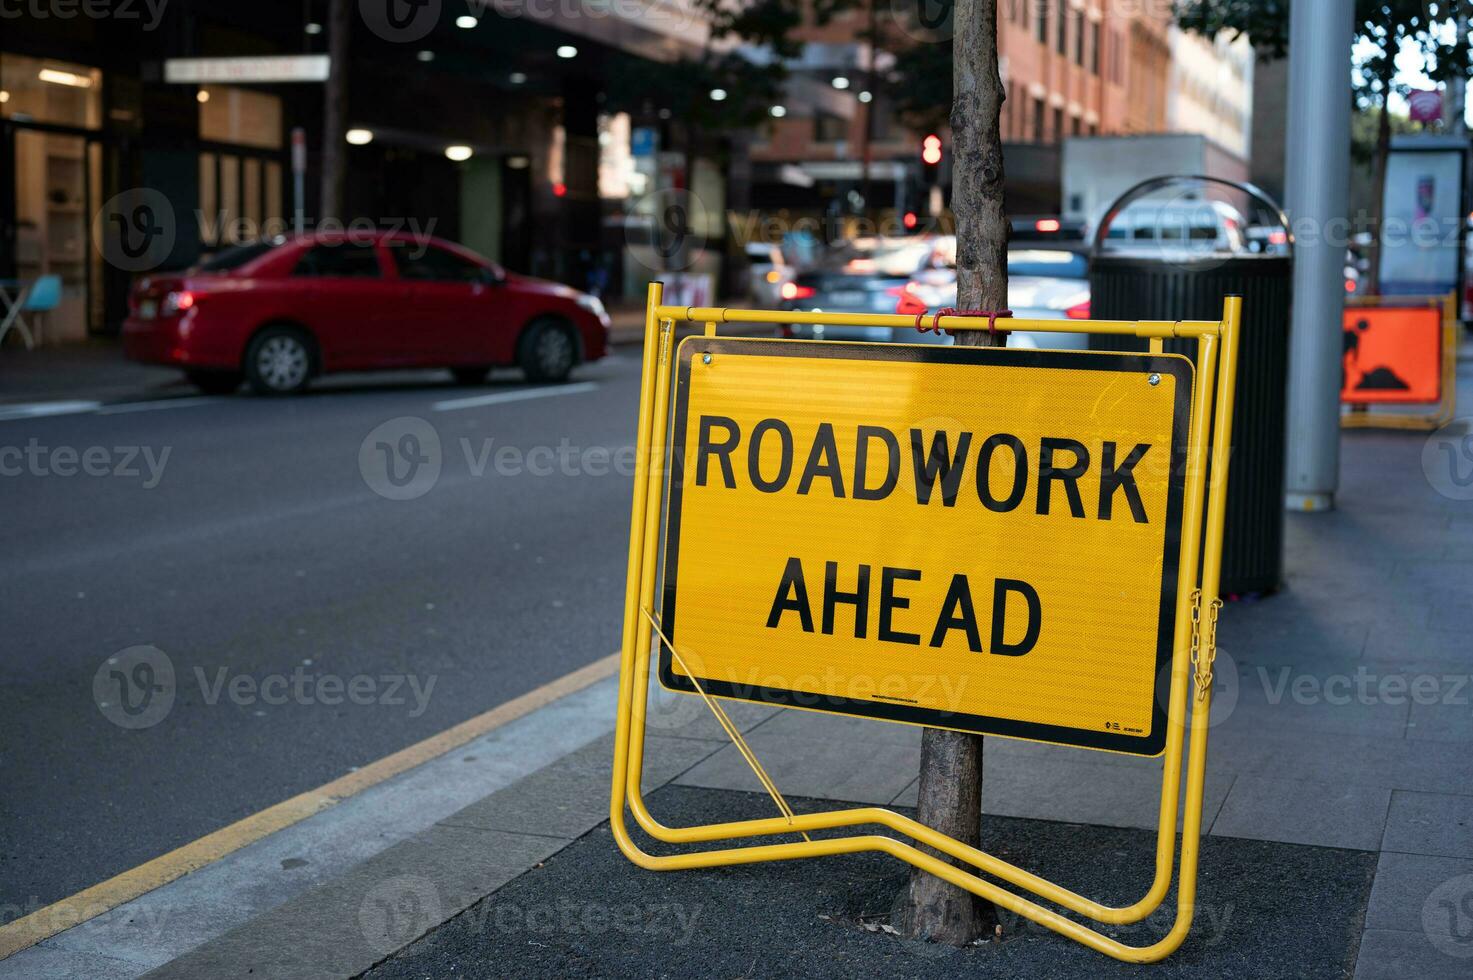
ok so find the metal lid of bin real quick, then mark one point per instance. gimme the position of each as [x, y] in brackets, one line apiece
[1192, 221]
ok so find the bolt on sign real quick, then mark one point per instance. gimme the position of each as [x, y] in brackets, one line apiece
[1016, 542]
[972, 538]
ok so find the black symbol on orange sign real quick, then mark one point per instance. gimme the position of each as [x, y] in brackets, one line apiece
[1354, 377]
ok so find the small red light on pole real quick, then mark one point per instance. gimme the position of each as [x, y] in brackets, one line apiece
[559, 189]
[910, 220]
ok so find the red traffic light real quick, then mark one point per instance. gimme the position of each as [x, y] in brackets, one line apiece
[931, 149]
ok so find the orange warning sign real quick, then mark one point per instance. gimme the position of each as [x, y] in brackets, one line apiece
[1391, 355]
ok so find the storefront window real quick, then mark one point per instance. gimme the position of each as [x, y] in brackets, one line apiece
[237, 115]
[49, 91]
[54, 177]
[240, 191]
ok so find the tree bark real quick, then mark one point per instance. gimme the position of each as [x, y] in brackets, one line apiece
[1378, 185]
[334, 112]
[951, 762]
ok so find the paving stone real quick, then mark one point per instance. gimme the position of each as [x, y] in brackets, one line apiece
[1386, 955]
[1405, 883]
[1294, 812]
[859, 771]
[1442, 722]
[1430, 823]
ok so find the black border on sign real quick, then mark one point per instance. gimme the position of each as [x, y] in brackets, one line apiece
[1150, 744]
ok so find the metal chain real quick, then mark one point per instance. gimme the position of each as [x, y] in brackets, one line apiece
[1202, 660]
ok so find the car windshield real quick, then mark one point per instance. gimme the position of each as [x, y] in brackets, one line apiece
[237, 256]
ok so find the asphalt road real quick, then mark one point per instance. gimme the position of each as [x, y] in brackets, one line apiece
[312, 622]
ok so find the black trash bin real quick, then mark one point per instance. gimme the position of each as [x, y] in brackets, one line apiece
[1135, 276]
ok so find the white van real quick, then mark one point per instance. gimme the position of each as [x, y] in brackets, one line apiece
[1154, 226]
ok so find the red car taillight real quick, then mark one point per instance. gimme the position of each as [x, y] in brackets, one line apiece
[792, 291]
[178, 302]
[1079, 311]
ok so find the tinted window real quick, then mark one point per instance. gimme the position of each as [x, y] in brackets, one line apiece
[237, 256]
[352, 259]
[436, 264]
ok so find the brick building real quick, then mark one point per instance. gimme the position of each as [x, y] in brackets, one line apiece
[1069, 68]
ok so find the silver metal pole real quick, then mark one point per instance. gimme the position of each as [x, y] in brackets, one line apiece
[1317, 180]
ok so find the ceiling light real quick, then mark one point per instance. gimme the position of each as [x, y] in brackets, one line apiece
[425, 55]
[518, 163]
[458, 153]
[312, 27]
[64, 78]
[4, 95]
[778, 111]
[866, 97]
[203, 95]
[518, 78]
[567, 51]
[840, 82]
[359, 137]
[465, 22]
[718, 95]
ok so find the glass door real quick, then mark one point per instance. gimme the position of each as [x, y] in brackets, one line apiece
[57, 184]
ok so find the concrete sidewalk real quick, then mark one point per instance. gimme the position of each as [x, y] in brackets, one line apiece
[91, 371]
[1340, 779]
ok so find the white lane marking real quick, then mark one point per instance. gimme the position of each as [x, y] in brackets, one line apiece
[36, 410]
[123, 408]
[521, 394]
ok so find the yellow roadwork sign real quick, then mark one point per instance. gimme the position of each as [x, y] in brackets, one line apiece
[1025, 543]
[973, 538]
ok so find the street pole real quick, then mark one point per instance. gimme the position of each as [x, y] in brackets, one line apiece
[1457, 86]
[334, 111]
[1317, 182]
[871, 85]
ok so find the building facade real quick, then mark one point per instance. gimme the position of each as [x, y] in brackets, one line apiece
[1069, 68]
[480, 122]
[1211, 90]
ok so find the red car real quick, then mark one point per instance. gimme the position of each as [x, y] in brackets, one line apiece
[277, 313]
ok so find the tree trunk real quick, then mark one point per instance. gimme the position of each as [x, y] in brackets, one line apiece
[1378, 186]
[951, 762]
[334, 112]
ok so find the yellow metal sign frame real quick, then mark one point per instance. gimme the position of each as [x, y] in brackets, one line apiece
[1193, 650]
[1360, 416]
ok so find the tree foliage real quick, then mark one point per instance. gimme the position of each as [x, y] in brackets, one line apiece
[1383, 30]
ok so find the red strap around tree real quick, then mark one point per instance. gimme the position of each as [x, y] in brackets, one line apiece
[911, 306]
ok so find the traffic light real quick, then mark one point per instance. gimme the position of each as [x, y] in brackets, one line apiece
[931, 158]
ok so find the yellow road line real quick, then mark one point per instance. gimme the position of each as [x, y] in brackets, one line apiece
[105, 896]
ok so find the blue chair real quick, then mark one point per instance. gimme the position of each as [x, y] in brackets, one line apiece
[42, 296]
[45, 296]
